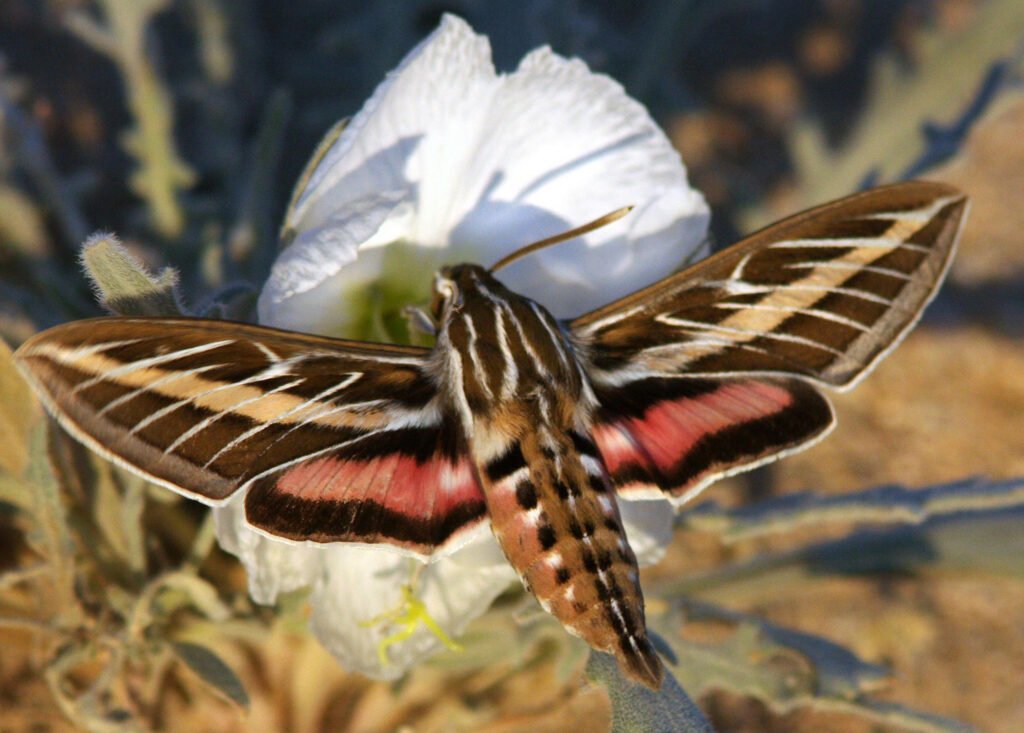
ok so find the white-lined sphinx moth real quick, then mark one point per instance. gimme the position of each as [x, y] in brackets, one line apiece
[514, 417]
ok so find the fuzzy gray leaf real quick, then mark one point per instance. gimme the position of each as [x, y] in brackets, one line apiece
[123, 285]
[883, 504]
[637, 709]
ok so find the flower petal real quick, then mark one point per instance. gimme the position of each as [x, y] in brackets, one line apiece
[437, 92]
[491, 163]
[571, 144]
[303, 292]
[362, 583]
[273, 566]
[354, 584]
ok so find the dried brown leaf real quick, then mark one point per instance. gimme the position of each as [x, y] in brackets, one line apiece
[18, 412]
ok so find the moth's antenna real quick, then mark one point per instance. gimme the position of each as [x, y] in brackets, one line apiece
[571, 234]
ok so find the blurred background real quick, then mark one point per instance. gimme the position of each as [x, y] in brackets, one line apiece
[182, 126]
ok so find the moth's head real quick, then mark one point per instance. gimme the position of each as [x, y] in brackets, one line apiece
[451, 282]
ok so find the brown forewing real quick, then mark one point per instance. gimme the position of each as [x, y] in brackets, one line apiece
[203, 406]
[821, 295]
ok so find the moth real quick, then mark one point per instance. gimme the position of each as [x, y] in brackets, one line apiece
[513, 417]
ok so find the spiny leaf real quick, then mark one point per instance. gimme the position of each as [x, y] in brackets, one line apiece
[888, 135]
[967, 542]
[17, 491]
[53, 537]
[22, 227]
[108, 508]
[161, 172]
[748, 662]
[838, 672]
[118, 510]
[787, 669]
[193, 590]
[892, 713]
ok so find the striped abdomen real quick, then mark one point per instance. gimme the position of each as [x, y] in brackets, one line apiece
[555, 517]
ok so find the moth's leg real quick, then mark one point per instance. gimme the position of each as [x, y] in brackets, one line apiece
[420, 320]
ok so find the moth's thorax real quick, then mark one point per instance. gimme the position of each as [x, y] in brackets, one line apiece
[504, 358]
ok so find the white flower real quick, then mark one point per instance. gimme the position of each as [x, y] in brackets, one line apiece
[459, 163]
[449, 161]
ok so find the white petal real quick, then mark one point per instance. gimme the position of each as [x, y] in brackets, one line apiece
[353, 584]
[303, 291]
[648, 525]
[361, 583]
[273, 566]
[438, 91]
[492, 163]
[563, 147]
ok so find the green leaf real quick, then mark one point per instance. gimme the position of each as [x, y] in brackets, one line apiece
[200, 594]
[108, 507]
[639, 709]
[117, 509]
[212, 670]
[988, 542]
[22, 226]
[51, 538]
[124, 285]
[894, 714]
[787, 669]
[748, 662]
[176, 589]
[887, 136]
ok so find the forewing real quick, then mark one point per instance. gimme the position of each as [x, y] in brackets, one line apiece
[822, 295]
[209, 408]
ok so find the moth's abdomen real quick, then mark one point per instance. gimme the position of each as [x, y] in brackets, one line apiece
[555, 517]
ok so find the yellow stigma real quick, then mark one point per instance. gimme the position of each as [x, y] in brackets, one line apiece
[408, 615]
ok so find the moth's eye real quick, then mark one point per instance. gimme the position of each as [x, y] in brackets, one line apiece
[443, 292]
